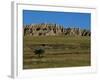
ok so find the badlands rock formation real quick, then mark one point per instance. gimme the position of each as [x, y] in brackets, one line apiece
[53, 30]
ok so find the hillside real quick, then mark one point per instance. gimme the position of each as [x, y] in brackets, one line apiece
[53, 30]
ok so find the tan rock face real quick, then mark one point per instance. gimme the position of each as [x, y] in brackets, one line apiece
[53, 30]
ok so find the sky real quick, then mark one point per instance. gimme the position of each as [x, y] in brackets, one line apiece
[66, 19]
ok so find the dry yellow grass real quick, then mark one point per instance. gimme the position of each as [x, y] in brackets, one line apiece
[60, 51]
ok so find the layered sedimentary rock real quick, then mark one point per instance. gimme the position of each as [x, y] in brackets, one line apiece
[53, 30]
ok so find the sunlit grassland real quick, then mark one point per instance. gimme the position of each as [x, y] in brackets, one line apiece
[60, 51]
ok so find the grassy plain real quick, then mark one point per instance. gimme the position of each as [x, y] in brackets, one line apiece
[60, 51]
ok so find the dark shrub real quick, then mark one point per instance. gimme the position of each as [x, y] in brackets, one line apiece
[39, 52]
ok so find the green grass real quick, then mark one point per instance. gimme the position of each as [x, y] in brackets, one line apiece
[60, 51]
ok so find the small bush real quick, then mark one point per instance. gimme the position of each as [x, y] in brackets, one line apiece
[39, 52]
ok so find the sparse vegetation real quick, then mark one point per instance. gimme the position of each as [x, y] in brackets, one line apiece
[60, 51]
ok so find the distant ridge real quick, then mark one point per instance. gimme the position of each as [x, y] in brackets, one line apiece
[44, 29]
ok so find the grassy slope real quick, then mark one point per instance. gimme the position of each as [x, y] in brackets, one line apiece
[73, 51]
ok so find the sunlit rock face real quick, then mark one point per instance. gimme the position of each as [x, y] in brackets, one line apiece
[53, 30]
